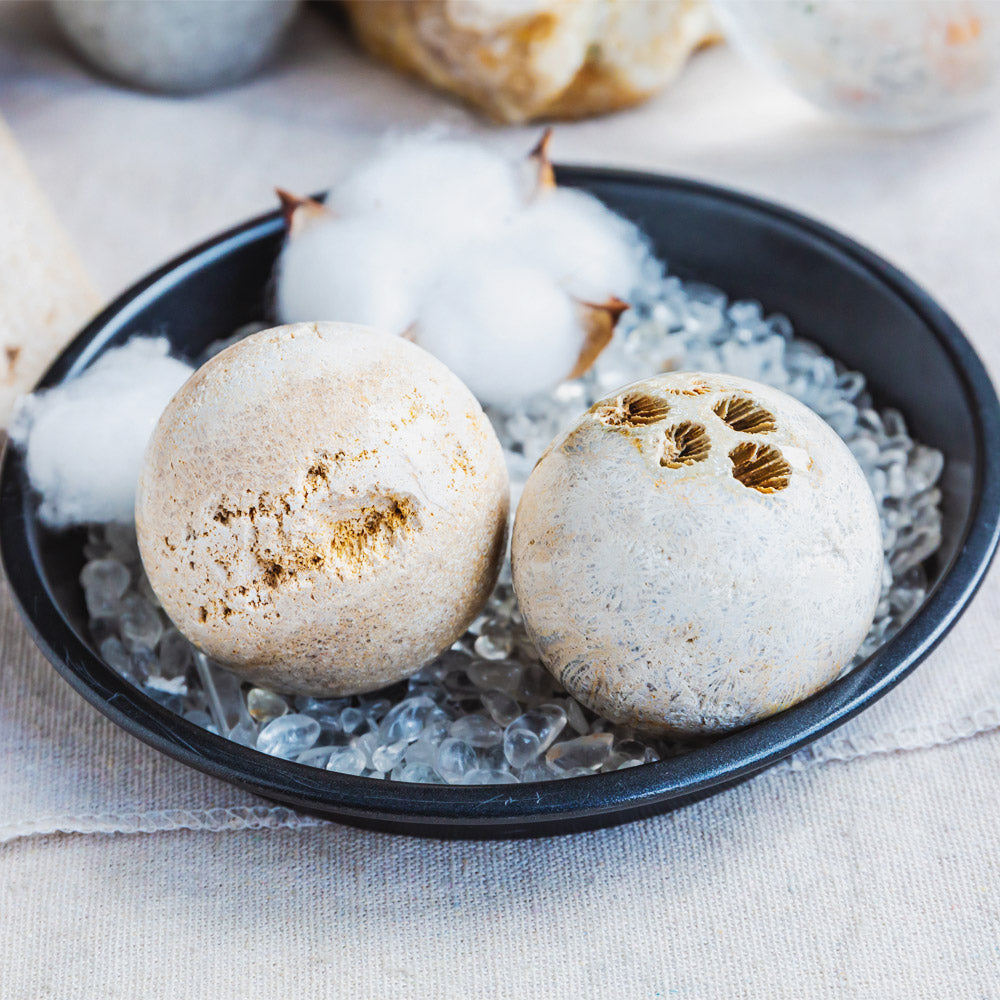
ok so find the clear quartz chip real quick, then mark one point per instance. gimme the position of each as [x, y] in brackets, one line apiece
[385, 757]
[489, 776]
[521, 746]
[405, 721]
[346, 760]
[418, 773]
[121, 539]
[320, 706]
[288, 736]
[539, 726]
[436, 726]
[244, 733]
[167, 685]
[477, 730]
[174, 654]
[500, 706]
[495, 641]
[351, 719]
[536, 770]
[115, 655]
[585, 753]
[501, 675]
[104, 582]
[575, 716]
[455, 759]
[422, 751]
[140, 623]
[366, 744]
[264, 705]
[315, 757]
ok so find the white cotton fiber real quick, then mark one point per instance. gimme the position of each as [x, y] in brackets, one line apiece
[352, 271]
[462, 247]
[448, 188]
[84, 440]
[578, 241]
[506, 331]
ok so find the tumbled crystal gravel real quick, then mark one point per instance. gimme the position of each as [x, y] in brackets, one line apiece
[288, 736]
[497, 644]
[455, 759]
[500, 706]
[264, 705]
[115, 655]
[585, 753]
[351, 719]
[521, 746]
[490, 776]
[346, 760]
[544, 723]
[477, 730]
[404, 721]
[175, 654]
[104, 582]
[417, 773]
[385, 757]
[315, 757]
[422, 751]
[503, 675]
[139, 623]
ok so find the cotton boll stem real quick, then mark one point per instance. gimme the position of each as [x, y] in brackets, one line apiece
[598, 322]
[299, 212]
[545, 175]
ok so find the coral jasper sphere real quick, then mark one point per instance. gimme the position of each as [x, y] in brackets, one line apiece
[697, 553]
[323, 508]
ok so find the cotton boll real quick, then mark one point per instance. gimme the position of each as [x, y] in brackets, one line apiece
[506, 330]
[84, 440]
[490, 265]
[452, 189]
[583, 245]
[352, 271]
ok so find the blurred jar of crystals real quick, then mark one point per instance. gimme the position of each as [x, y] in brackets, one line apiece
[900, 64]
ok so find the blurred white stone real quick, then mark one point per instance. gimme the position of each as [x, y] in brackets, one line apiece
[178, 46]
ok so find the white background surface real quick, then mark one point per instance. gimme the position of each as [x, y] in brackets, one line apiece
[865, 868]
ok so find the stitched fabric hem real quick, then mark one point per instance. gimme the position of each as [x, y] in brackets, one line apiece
[848, 748]
[215, 820]
[209, 820]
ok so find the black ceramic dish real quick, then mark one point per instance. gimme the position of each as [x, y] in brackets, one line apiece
[859, 308]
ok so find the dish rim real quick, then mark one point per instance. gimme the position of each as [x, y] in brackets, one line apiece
[718, 764]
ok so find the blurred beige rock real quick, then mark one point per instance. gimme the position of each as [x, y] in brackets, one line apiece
[45, 295]
[523, 59]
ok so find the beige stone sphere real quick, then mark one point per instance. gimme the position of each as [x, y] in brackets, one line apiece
[323, 508]
[696, 553]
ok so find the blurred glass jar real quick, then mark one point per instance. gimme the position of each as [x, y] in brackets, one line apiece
[888, 63]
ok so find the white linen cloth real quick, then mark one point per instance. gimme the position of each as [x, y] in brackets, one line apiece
[867, 866]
